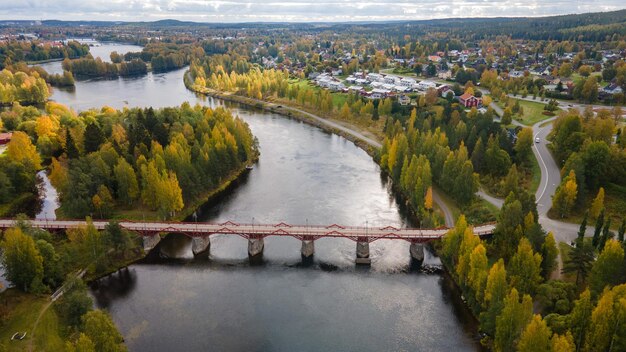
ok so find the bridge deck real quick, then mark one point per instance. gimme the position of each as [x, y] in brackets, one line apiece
[369, 234]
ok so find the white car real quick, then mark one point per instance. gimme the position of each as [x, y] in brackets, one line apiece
[537, 140]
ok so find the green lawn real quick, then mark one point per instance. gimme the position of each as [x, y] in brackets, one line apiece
[20, 311]
[338, 98]
[533, 111]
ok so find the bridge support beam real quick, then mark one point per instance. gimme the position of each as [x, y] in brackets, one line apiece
[417, 252]
[149, 242]
[255, 246]
[363, 252]
[200, 244]
[308, 249]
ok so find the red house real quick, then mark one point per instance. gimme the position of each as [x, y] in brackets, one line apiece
[5, 138]
[469, 101]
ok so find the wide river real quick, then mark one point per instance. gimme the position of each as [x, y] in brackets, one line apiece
[173, 302]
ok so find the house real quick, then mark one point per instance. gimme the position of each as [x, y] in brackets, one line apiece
[444, 74]
[443, 89]
[404, 100]
[469, 101]
[434, 58]
[5, 138]
[612, 88]
[407, 82]
[356, 89]
[374, 77]
[425, 85]
[379, 93]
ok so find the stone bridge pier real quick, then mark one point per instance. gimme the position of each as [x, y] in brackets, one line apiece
[200, 244]
[308, 248]
[417, 252]
[363, 252]
[255, 246]
[149, 242]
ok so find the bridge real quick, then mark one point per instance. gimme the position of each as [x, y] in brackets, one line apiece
[255, 233]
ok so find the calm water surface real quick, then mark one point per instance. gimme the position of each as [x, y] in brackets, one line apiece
[221, 302]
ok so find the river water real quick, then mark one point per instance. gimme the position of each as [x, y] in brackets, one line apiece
[221, 302]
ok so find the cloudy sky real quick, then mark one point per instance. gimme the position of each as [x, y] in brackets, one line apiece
[291, 10]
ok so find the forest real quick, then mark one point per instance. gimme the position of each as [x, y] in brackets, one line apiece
[17, 51]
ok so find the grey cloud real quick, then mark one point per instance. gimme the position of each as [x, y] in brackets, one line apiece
[290, 10]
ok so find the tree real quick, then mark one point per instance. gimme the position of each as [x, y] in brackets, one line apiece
[428, 200]
[523, 146]
[608, 319]
[102, 332]
[21, 260]
[535, 337]
[621, 231]
[580, 318]
[103, 201]
[493, 300]
[608, 268]
[507, 117]
[21, 150]
[598, 204]
[598, 229]
[579, 261]
[93, 137]
[75, 302]
[562, 343]
[514, 317]
[525, 268]
[127, 185]
[549, 253]
[565, 195]
[70, 146]
[565, 70]
[52, 269]
[83, 344]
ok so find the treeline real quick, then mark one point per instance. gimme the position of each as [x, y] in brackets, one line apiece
[165, 56]
[107, 160]
[22, 87]
[16, 51]
[90, 67]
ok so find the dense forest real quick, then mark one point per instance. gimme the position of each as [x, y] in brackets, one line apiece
[107, 159]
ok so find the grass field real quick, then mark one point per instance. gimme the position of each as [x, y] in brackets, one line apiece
[19, 313]
[533, 112]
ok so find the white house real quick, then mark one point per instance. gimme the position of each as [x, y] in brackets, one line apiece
[407, 82]
[425, 85]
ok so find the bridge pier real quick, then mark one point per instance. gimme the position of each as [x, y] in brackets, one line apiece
[363, 252]
[417, 252]
[200, 244]
[255, 246]
[308, 249]
[149, 242]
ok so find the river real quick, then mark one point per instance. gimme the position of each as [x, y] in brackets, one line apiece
[223, 303]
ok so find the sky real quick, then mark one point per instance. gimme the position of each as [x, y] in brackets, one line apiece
[291, 10]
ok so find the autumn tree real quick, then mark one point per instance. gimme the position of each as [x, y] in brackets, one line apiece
[493, 298]
[523, 145]
[565, 195]
[514, 317]
[608, 268]
[535, 337]
[598, 204]
[97, 325]
[608, 320]
[21, 260]
[127, 185]
[21, 150]
[525, 268]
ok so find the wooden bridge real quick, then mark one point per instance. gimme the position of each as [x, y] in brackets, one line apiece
[255, 233]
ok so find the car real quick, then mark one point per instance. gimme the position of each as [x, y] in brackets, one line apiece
[537, 140]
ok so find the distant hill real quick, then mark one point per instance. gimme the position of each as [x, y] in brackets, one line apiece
[587, 26]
